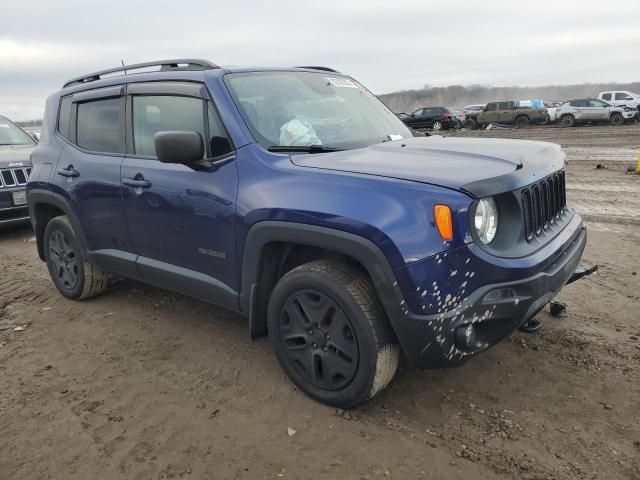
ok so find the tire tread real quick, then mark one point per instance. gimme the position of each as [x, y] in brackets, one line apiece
[364, 294]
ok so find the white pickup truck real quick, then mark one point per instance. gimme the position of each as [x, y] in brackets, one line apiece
[622, 98]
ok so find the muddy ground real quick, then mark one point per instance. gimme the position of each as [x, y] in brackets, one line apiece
[144, 384]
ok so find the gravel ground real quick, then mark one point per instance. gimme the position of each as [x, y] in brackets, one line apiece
[144, 384]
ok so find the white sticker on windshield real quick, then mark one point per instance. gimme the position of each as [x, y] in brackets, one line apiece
[341, 82]
[393, 137]
[4, 125]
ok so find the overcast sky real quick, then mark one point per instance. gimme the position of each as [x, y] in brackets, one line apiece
[386, 44]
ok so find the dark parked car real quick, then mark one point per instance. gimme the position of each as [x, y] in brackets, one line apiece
[295, 197]
[437, 118]
[15, 147]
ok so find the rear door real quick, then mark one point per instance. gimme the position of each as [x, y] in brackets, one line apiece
[505, 112]
[181, 218]
[431, 115]
[582, 111]
[88, 172]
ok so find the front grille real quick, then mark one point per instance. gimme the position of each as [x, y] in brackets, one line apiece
[542, 204]
[13, 177]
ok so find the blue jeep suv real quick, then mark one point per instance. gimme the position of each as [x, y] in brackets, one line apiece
[296, 198]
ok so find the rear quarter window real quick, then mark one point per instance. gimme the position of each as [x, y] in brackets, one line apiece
[64, 117]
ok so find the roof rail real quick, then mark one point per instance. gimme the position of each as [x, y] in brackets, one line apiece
[183, 64]
[318, 67]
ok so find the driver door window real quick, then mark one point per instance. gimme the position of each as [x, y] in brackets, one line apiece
[153, 114]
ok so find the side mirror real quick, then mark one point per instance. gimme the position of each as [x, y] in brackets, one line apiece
[185, 147]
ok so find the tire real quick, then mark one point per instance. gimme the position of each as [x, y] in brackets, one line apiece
[70, 272]
[521, 121]
[546, 121]
[616, 119]
[437, 125]
[457, 125]
[568, 121]
[330, 334]
[470, 123]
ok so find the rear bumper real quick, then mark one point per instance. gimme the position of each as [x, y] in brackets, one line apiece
[491, 312]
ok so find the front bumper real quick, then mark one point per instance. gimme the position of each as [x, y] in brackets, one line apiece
[10, 213]
[465, 325]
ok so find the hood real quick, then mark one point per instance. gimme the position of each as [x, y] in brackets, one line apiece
[480, 167]
[15, 154]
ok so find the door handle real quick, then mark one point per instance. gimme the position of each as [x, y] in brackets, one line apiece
[68, 172]
[136, 182]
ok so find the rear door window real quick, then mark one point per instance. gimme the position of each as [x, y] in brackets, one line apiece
[99, 126]
[504, 106]
[606, 96]
[491, 107]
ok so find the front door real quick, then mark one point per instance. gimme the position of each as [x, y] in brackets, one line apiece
[599, 110]
[181, 218]
[417, 119]
[490, 113]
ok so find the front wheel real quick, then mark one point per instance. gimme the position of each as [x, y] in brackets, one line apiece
[616, 119]
[330, 334]
[470, 124]
[70, 272]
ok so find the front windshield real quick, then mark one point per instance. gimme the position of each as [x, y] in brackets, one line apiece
[12, 135]
[307, 108]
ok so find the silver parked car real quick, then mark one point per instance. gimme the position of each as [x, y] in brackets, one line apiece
[592, 110]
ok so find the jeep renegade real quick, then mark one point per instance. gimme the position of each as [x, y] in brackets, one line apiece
[295, 197]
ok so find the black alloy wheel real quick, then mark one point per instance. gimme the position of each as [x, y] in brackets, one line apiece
[64, 260]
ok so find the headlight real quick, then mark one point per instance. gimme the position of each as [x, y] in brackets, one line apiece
[486, 220]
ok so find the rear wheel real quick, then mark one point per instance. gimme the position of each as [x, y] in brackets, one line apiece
[568, 121]
[72, 275]
[437, 125]
[616, 119]
[330, 334]
[521, 121]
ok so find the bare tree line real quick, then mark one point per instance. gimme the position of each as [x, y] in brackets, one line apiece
[461, 95]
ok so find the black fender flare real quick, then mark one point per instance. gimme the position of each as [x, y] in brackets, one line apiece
[37, 196]
[355, 246]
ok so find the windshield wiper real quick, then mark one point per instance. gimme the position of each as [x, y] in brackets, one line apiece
[302, 148]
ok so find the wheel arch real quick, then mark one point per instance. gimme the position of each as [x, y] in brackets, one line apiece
[45, 205]
[274, 247]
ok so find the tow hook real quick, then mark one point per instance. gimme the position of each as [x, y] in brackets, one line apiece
[557, 309]
[581, 272]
